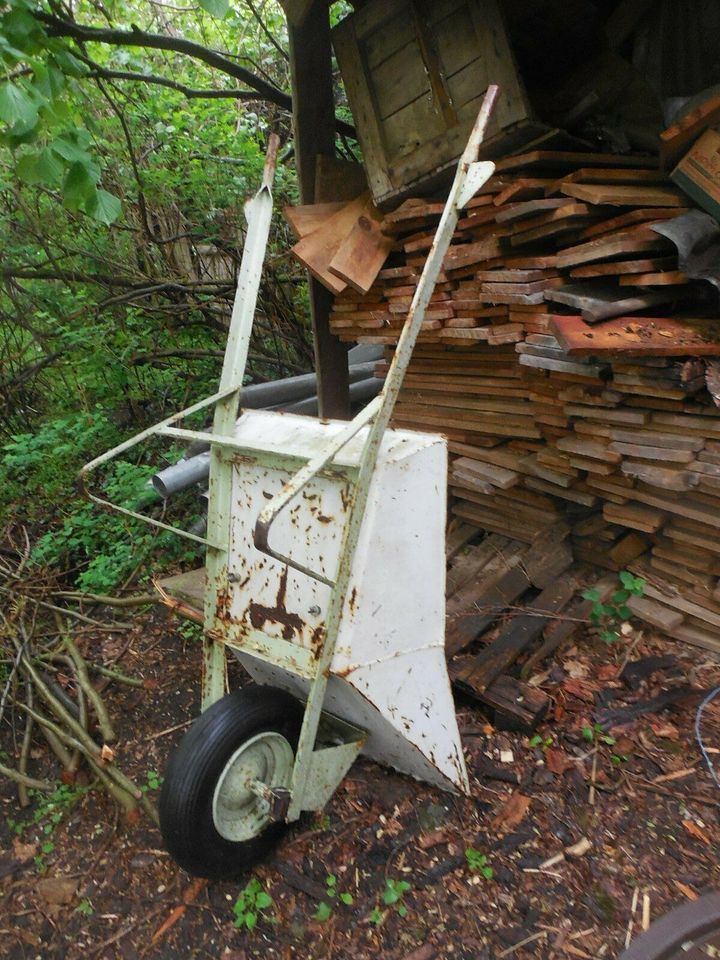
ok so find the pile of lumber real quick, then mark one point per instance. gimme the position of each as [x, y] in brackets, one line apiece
[566, 358]
[551, 232]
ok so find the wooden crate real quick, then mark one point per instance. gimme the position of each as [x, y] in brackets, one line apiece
[415, 73]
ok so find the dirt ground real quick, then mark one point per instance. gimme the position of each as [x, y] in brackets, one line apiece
[607, 818]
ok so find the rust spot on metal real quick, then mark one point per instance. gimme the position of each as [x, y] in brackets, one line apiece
[323, 519]
[260, 615]
[317, 639]
[353, 600]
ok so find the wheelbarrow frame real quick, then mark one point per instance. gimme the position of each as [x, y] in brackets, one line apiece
[316, 772]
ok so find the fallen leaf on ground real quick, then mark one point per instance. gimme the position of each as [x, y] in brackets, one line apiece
[428, 840]
[24, 851]
[58, 890]
[575, 669]
[512, 812]
[107, 754]
[557, 761]
[580, 689]
[686, 890]
[666, 730]
[694, 830]
[606, 671]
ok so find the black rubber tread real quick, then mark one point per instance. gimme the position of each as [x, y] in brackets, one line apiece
[185, 807]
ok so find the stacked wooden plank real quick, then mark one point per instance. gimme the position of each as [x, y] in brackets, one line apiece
[563, 401]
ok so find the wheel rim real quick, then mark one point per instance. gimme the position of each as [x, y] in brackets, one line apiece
[239, 813]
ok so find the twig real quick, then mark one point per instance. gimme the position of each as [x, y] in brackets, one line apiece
[631, 921]
[23, 798]
[593, 775]
[523, 943]
[164, 733]
[91, 693]
[138, 600]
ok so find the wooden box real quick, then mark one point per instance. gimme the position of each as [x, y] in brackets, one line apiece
[698, 173]
[415, 72]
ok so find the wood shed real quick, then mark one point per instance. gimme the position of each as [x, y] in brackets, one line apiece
[571, 351]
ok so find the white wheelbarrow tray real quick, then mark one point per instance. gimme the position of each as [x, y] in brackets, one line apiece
[388, 674]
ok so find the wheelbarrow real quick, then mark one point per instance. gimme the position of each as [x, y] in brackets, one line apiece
[325, 574]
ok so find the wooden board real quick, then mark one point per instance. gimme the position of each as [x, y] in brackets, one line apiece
[305, 218]
[559, 159]
[317, 250]
[637, 240]
[494, 660]
[598, 301]
[638, 336]
[363, 252]
[625, 195]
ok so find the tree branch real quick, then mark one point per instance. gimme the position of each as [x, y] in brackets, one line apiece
[57, 27]
[98, 72]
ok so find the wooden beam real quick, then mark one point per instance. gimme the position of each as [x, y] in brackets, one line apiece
[314, 126]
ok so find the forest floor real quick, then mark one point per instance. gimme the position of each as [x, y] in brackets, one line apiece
[587, 833]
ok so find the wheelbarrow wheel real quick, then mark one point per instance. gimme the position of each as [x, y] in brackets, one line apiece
[213, 824]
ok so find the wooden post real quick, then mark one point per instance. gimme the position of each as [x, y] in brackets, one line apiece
[314, 123]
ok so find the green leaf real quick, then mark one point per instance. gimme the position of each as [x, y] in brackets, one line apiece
[68, 147]
[43, 167]
[263, 900]
[323, 912]
[16, 105]
[48, 80]
[620, 596]
[250, 919]
[402, 910]
[376, 916]
[216, 8]
[346, 898]
[104, 207]
[78, 186]
[591, 594]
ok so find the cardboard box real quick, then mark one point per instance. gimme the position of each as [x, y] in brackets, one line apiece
[698, 173]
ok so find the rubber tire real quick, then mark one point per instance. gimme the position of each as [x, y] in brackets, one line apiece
[186, 820]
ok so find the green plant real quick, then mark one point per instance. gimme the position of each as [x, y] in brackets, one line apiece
[393, 896]
[608, 615]
[48, 813]
[325, 907]
[251, 905]
[85, 907]
[478, 863]
[153, 781]
[542, 742]
[595, 733]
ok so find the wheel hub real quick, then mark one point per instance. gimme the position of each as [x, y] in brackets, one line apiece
[240, 808]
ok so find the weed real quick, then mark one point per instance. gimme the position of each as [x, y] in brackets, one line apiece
[325, 908]
[154, 781]
[542, 742]
[608, 616]
[251, 905]
[50, 809]
[478, 863]
[393, 896]
[85, 907]
[597, 734]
